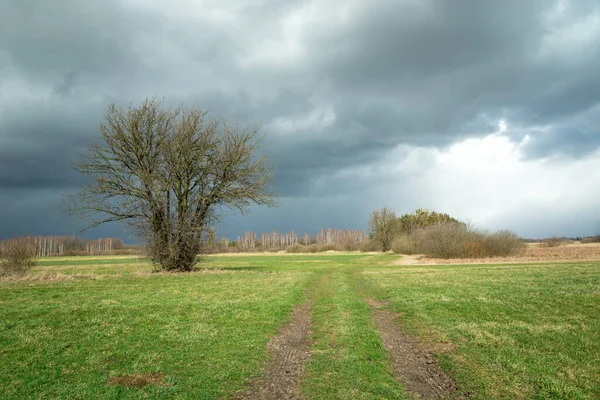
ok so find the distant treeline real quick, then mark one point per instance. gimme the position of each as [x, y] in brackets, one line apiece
[277, 241]
[581, 239]
[45, 246]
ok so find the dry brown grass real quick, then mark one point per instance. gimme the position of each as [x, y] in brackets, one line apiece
[531, 253]
[284, 253]
[574, 251]
[87, 258]
[62, 277]
[552, 242]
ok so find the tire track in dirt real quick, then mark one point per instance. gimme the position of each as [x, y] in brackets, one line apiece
[289, 352]
[413, 363]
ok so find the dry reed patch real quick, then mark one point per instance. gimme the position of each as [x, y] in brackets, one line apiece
[251, 254]
[60, 277]
[131, 267]
[531, 253]
[88, 258]
[566, 252]
[137, 380]
[282, 253]
[51, 277]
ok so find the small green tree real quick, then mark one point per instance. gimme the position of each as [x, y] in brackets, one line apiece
[423, 218]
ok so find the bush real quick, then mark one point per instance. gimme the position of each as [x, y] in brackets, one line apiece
[423, 218]
[331, 247]
[444, 240]
[404, 244]
[369, 246]
[312, 248]
[453, 240]
[352, 246]
[591, 239]
[18, 255]
[320, 248]
[74, 253]
[552, 242]
[503, 243]
[296, 248]
[126, 251]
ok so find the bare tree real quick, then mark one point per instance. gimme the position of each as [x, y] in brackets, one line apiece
[170, 173]
[383, 227]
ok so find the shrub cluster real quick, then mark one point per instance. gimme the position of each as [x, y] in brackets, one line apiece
[452, 240]
[591, 239]
[366, 246]
[552, 242]
[18, 257]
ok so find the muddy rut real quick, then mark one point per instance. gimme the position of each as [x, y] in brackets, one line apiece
[289, 351]
[413, 363]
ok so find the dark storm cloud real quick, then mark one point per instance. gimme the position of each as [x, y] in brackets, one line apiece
[55, 42]
[402, 42]
[565, 140]
[438, 65]
[336, 85]
[37, 151]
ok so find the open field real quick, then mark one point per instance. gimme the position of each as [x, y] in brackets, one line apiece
[107, 327]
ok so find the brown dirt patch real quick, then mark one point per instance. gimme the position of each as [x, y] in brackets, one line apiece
[413, 362]
[137, 380]
[289, 352]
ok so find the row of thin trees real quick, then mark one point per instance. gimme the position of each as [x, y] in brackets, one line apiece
[44, 246]
[276, 240]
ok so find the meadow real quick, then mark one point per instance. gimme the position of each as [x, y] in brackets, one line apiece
[108, 327]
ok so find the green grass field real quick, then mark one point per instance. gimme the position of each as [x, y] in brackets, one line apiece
[511, 331]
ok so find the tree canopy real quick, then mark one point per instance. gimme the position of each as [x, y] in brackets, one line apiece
[383, 227]
[422, 218]
[170, 173]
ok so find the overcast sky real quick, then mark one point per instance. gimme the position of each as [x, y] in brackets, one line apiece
[486, 110]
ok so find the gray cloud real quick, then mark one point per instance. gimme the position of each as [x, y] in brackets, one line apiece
[336, 85]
